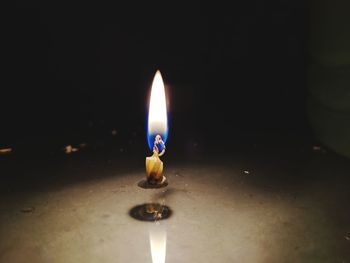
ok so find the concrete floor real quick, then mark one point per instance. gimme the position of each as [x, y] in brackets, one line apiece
[273, 212]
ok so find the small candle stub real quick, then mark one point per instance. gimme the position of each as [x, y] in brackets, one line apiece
[154, 166]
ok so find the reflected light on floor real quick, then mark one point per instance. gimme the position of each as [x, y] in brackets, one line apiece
[157, 237]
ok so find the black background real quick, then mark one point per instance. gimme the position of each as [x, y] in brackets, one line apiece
[73, 73]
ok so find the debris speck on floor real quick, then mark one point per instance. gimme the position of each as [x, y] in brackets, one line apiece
[70, 149]
[316, 148]
[5, 150]
[27, 210]
[83, 145]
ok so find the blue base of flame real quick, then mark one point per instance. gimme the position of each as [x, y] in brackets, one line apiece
[151, 138]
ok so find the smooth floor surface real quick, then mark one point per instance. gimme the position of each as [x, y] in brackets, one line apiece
[239, 208]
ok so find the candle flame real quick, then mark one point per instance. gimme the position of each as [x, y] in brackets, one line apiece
[157, 114]
[157, 238]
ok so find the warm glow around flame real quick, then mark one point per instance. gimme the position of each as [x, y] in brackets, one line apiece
[158, 244]
[157, 114]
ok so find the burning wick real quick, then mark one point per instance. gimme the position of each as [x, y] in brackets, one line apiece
[157, 131]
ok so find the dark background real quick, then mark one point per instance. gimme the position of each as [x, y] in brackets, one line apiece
[73, 74]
